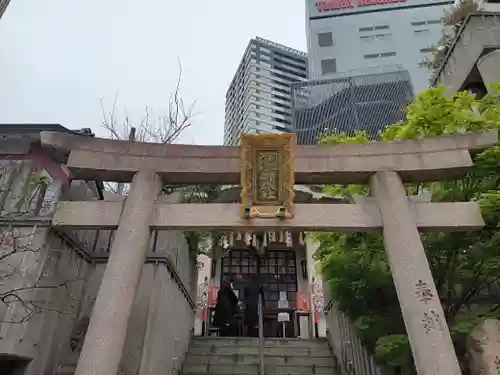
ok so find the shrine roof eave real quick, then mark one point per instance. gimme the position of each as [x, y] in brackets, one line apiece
[429, 159]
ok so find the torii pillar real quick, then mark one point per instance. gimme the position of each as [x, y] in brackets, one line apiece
[423, 315]
[103, 346]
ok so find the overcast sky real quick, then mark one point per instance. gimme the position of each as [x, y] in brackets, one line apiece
[59, 58]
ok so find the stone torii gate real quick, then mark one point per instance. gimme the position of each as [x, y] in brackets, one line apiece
[383, 166]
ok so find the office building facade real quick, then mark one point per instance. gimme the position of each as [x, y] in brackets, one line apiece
[368, 100]
[354, 34]
[259, 98]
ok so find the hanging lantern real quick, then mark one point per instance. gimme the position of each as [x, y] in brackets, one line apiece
[225, 243]
[288, 239]
[273, 236]
[260, 241]
[281, 237]
[301, 238]
[248, 239]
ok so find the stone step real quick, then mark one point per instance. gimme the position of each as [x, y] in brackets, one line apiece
[248, 341]
[293, 360]
[190, 369]
[254, 350]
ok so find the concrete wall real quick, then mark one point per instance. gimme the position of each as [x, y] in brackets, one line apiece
[57, 275]
[42, 274]
[161, 326]
[481, 33]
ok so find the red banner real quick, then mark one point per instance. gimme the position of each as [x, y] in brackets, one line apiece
[212, 295]
[315, 317]
[302, 301]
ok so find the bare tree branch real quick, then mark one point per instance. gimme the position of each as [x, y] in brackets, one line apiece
[156, 128]
[153, 127]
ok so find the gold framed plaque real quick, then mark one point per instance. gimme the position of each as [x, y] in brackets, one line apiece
[267, 175]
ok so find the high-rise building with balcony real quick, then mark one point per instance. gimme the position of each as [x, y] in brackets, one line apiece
[259, 98]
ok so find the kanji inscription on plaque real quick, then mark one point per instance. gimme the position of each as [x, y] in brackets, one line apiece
[267, 175]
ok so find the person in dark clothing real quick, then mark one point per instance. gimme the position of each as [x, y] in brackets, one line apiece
[225, 308]
[251, 293]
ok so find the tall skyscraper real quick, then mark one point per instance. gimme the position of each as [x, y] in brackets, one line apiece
[353, 34]
[259, 97]
[3, 6]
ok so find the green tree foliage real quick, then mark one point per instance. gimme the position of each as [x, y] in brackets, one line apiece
[465, 265]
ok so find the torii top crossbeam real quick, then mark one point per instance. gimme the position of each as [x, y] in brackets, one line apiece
[429, 159]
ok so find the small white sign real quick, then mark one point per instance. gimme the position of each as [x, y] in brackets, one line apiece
[283, 317]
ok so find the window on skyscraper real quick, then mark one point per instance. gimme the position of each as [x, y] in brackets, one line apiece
[428, 50]
[422, 31]
[364, 29]
[325, 39]
[328, 66]
[388, 54]
[375, 37]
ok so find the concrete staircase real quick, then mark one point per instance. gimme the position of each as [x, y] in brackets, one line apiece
[240, 356]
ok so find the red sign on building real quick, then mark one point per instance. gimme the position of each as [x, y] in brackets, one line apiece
[329, 5]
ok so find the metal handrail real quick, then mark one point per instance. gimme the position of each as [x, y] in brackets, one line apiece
[261, 334]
